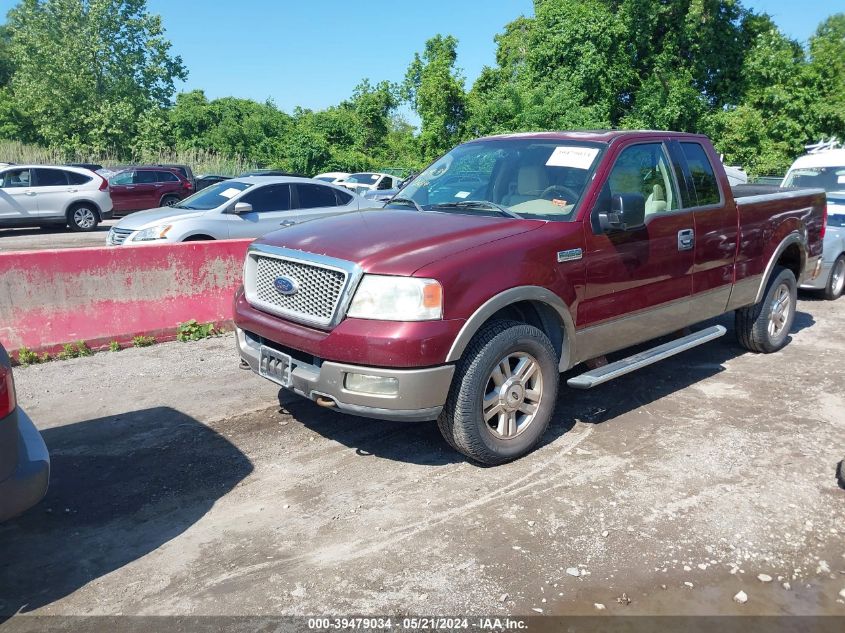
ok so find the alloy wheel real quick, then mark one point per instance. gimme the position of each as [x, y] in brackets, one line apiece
[781, 311]
[512, 395]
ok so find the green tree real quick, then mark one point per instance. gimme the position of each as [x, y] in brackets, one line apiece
[86, 70]
[826, 76]
[435, 89]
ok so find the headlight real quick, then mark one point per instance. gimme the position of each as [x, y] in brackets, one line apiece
[153, 233]
[397, 299]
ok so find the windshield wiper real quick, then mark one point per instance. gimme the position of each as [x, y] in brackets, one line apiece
[183, 206]
[479, 204]
[407, 202]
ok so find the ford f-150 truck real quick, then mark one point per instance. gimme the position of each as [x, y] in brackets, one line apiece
[464, 304]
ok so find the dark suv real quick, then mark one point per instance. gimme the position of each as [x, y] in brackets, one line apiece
[140, 188]
[24, 461]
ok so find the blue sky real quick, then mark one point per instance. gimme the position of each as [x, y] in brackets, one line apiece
[314, 53]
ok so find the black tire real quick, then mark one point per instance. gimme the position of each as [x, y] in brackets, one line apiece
[462, 421]
[836, 281]
[754, 324]
[199, 238]
[169, 201]
[840, 474]
[83, 217]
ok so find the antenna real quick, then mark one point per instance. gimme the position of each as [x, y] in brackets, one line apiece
[823, 145]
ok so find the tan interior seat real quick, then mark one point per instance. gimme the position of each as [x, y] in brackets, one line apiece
[656, 201]
[531, 181]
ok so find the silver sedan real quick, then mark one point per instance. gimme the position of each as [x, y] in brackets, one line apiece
[238, 208]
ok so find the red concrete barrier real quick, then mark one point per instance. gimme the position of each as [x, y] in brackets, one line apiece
[97, 295]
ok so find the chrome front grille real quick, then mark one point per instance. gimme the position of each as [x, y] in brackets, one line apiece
[118, 236]
[321, 285]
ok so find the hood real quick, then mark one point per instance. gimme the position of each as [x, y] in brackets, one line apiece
[144, 219]
[396, 242]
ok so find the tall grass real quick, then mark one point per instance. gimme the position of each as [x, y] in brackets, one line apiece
[200, 160]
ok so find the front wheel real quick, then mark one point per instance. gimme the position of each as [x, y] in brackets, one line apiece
[82, 218]
[764, 327]
[836, 282]
[503, 393]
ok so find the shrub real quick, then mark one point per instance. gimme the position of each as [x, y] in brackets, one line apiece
[74, 350]
[143, 341]
[27, 357]
[114, 346]
[193, 331]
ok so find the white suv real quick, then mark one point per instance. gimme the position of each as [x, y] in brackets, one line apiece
[37, 195]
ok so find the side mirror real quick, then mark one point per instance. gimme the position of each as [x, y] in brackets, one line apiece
[241, 208]
[627, 212]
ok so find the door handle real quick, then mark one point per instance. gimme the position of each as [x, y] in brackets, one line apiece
[686, 239]
[158, 185]
[130, 187]
[29, 193]
[72, 190]
[287, 223]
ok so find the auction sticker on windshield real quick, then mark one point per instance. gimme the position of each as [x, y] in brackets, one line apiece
[231, 191]
[575, 157]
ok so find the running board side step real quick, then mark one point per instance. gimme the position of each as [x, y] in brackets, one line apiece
[601, 375]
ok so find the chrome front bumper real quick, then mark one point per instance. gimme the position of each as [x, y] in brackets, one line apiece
[421, 392]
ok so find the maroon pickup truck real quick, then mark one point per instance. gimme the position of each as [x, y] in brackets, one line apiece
[513, 258]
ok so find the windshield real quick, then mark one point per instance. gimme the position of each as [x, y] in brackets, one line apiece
[827, 178]
[213, 196]
[530, 178]
[364, 179]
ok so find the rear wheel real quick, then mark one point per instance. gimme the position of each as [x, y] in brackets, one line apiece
[169, 201]
[82, 218]
[836, 282]
[503, 393]
[764, 327]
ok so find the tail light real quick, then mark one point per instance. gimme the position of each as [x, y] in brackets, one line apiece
[104, 185]
[824, 222]
[7, 391]
[188, 185]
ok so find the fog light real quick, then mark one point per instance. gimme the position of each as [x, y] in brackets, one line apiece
[376, 385]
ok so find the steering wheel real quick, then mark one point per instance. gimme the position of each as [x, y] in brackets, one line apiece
[568, 194]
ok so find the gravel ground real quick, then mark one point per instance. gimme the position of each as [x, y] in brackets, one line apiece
[184, 485]
[38, 239]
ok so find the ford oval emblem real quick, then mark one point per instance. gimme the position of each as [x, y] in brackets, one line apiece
[286, 285]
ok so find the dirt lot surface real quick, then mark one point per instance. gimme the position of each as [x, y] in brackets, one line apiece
[37, 239]
[181, 486]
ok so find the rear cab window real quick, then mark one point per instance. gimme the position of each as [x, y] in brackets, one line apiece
[704, 184]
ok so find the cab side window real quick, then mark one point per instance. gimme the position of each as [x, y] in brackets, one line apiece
[703, 179]
[269, 198]
[15, 178]
[644, 170]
